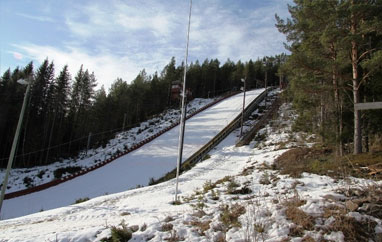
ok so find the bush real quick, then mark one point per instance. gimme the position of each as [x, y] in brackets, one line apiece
[41, 174]
[231, 186]
[70, 169]
[120, 234]
[264, 179]
[229, 216]
[81, 200]
[28, 181]
[208, 185]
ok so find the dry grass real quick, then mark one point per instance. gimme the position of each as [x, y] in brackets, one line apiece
[229, 215]
[174, 237]
[247, 171]
[166, 227]
[299, 217]
[302, 220]
[322, 161]
[352, 229]
[202, 226]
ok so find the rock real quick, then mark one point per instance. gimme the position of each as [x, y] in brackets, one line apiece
[360, 201]
[350, 205]
[372, 209]
[220, 236]
[330, 197]
[134, 228]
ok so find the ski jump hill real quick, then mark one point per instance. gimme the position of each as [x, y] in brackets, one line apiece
[151, 160]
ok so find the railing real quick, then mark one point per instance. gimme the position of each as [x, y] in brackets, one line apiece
[107, 161]
[250, 135]
[226, 131]
[203, 151]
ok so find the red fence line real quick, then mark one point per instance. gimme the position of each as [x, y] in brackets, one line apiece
[112, 158]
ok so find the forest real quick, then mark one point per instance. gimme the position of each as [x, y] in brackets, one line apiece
[62, 111]
[335, 62]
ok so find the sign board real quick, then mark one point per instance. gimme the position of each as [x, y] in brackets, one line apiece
[364, 106]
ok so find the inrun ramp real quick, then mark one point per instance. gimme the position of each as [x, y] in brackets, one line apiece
[152, 160]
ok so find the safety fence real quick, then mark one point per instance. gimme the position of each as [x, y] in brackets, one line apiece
[112, 158]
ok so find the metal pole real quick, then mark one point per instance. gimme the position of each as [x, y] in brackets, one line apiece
[124, 121]
[183, 116]
[242, 113]
[266, 87]
[14, 144]
[88, 144]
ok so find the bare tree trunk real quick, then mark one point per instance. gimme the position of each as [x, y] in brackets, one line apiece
[341, 145]
[337, 103]
[322, 108]
[357, 113]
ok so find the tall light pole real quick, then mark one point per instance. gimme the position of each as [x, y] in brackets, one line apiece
[242, 113]
[15, 140]
[183, 117]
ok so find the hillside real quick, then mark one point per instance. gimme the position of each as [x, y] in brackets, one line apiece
[136, 168]
[234, 195]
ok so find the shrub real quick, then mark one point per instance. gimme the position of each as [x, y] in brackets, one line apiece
[215, 195]
[208, 185]
[166, 227]
[200, 205]
[41, 174]
[152, 181]
[70, 169]
[229, 216]
[120, 234]
[28, 181]
[202, 226]
[231, 186]
[81, 200]
[264, 179]
[206, 157]
[243, 191]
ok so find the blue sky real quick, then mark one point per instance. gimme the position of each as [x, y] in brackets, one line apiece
[118, 38]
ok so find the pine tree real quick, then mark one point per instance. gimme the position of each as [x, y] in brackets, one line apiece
[323, 34]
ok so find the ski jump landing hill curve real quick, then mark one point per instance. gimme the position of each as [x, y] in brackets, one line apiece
[152, 160]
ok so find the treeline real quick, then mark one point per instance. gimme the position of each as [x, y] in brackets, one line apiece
[62, 110]
[335, 63]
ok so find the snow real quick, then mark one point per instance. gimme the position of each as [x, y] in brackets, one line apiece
[153, 160]
[43, 174]
[151, 207]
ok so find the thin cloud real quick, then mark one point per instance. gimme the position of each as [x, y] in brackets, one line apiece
[17, 56]
[120, 38]
[37, 18]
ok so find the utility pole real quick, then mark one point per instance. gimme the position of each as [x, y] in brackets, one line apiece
[183, 116]
[15, 140]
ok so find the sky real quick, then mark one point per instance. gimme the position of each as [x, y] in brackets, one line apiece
[118, 38]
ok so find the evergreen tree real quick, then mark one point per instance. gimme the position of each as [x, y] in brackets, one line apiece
[323, 35]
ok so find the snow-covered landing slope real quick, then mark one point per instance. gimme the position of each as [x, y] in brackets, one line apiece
[152, 160]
